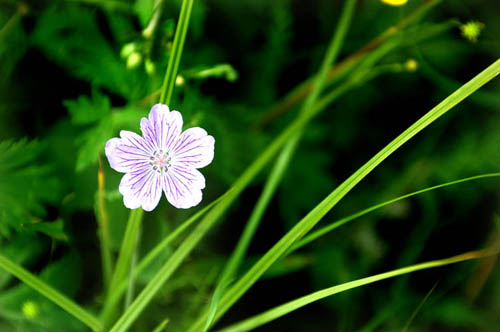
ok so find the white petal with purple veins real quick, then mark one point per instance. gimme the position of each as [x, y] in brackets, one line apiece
[141, 188]
[125, 155]
[161, 127]
[194, 148]
[182, 186]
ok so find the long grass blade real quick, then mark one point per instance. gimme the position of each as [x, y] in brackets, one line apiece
[51, 293]
[326, 229]
[272, 314]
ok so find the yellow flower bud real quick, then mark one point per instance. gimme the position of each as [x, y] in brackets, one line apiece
[411, 65]
[395, 3]
[471, 30]
[179, 80]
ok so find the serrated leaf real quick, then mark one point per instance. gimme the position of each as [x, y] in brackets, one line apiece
[27, 183]
[85, 110]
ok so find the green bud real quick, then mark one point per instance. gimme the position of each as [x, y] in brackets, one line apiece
[134, 60]
[149, 66]
[127, 49]
[30, 309]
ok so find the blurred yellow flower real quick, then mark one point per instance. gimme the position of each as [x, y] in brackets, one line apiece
[30, 309]
[471, 30]
[394, 2]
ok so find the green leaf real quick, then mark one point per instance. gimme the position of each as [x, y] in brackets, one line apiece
[84, 110]
[27, 183]
[54, 229]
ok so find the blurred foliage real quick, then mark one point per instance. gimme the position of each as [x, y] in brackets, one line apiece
[67, 85]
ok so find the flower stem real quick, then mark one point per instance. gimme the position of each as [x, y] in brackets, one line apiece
[175, 55]
[103, 223]
[123, 263]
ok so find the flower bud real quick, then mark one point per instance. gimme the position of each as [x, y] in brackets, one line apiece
[134, 60]
[179, 80]
[395, 3]
[471, 30]
[30, 309]
[127, 49]
[411, 65]
[149, 66]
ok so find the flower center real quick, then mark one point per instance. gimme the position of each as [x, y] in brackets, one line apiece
[160, 161]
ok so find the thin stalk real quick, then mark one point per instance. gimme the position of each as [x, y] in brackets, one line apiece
[103, 223]
[131, 279]
[326, 229]
[313, 217]
[279, 311]
[175, 55]
[286, 154]
[51, 293]
[301, 92]
[123, 263]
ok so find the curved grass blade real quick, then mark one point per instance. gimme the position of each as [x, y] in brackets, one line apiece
[419, 307]
[51, 293]
[283, 160]
[279, 311]
[313, 217]
[320, 232]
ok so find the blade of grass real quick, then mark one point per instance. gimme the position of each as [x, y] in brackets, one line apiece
[313, 217]
[123, 262]
[326, 229]
[286, 154]
[279, 311]
[419, 307]
[51, 293]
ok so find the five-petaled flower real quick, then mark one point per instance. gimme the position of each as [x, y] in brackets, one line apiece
[165, 159]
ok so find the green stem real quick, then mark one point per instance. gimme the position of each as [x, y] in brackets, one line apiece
[52, 294]
[123, 263]
[322, 231]
[103, 224]
[175, 55]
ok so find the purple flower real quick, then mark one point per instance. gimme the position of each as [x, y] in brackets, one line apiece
[164, 159]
